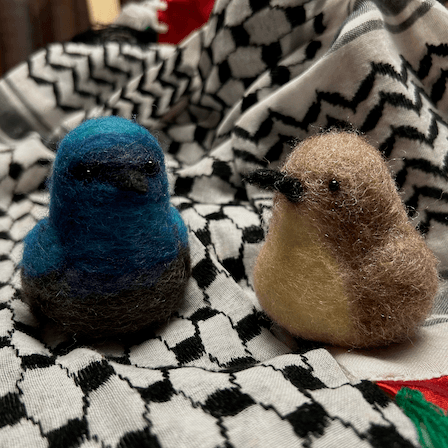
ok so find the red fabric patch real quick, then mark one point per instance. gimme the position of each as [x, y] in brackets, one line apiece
[434, 390]
[183, 17]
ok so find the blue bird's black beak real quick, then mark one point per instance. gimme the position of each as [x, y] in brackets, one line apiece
[274, 180]
[136, 178]
[131, 180]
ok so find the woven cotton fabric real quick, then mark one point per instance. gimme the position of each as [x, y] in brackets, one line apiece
[232, 97]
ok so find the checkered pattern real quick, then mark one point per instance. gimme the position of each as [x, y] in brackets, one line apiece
[181, 387]
[232, 97]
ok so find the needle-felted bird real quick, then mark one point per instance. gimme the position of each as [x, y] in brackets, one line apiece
[112, 256]
[342, 264]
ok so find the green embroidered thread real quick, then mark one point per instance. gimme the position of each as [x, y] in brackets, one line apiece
[430, 420]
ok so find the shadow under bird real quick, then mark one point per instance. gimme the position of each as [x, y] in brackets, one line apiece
[342, 263]
[112, 256]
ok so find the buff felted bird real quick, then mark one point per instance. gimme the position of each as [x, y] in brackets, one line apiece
[342, 264]
[112, 257]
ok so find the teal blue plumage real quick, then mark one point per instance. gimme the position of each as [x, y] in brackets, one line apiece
[111, 229]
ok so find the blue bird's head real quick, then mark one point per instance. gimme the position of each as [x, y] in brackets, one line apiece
[105, 162]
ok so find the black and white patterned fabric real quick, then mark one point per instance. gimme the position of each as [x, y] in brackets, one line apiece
[234, 96]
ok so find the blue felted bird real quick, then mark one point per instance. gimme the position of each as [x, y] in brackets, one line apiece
[112, 257]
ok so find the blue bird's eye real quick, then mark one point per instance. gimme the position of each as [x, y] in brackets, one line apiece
[151, 168]
[85, 172]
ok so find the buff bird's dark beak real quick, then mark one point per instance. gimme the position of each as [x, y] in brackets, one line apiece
[274, 180]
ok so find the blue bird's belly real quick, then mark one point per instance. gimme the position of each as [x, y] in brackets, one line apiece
[112, 278]
[126, 247]
[103, 256]
[98, 306]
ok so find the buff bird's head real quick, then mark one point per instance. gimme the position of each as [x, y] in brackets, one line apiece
[342, 263]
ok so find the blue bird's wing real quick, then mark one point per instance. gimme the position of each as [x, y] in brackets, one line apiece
[42, 252]
[182, 230]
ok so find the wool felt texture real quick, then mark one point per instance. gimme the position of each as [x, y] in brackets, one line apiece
[112, 256]
[104, 307]
[342, 263]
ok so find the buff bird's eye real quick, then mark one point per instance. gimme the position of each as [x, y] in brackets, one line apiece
[334, 185]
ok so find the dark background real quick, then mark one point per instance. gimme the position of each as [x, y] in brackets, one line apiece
[27, 25]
